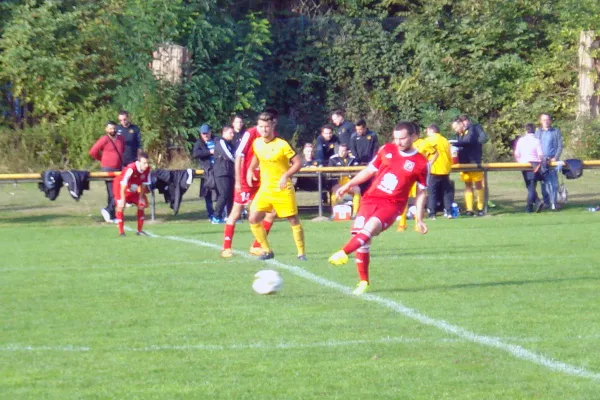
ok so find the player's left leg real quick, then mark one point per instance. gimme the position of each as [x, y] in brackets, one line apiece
[285, 206]
[260, 207]
[267, 223]
[141, 203]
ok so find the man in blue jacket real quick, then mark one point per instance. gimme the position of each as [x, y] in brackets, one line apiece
[552, 145]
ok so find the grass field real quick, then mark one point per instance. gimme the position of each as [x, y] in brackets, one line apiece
[500, 307]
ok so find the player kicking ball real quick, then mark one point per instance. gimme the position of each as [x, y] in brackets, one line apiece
[131, 187]
[395, 168]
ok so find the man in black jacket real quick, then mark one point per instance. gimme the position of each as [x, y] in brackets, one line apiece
[224, 168]
[132, 136]
[363, 143]
[345, 128]
[470, 152]
[204, 150]
[344, 159]
[326, 144]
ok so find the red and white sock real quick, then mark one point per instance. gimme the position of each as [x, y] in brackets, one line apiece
[267, 225]
[363, 257]
[228, 236]
[140, 219]
[360, 239]
[120, 222]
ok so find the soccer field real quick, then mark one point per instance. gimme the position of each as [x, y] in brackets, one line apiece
[501, 307]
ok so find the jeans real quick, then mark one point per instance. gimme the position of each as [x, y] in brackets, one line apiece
[550, 187]
[440, 191]
[531, 179]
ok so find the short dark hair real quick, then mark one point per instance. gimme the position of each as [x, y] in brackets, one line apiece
[327, 126]
[463, 118]
[434, 128]
[342, 145]
[143, 154]
[361, 122]
[226, 128]
[545, 113]
[124, 112]
[274, 113]
[110, 123]
[405, 125]
[338, 112]
[417, 128]
[237, 116]
[266, 116]
[530, 128]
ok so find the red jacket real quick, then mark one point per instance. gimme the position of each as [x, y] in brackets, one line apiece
[109, 155]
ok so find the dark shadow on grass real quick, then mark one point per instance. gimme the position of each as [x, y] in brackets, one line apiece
[37, 219]
[488, 284]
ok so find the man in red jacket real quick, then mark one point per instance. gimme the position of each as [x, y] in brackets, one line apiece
[109, 151]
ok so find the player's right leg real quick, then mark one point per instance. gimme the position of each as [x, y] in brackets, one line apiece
[228, 231]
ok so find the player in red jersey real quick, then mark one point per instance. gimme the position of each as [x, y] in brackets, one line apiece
[131, 187]
[395, 168]
[244, 194]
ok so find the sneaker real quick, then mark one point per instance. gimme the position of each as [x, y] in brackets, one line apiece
[339, 258]
[469, 213]
[141, 233]
[106, 215]
[227, 253]
[114, 221]
[361, 288]
[449, 216]
[401, 228]
[122, 234]
[432, 217]
[256, 251]
[539, 205]
[267, 255]
[216, 221]
[302, 258]
[480, 213]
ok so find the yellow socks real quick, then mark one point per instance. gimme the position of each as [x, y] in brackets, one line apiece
[355, 203]
[480, 199]
[260, 234]
[469, 200]
[298, 234]
[402, 222]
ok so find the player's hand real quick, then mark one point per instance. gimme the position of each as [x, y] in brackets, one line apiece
[143, 203]
[283, 182]
[238, 186]
[342, 190]
[121, 203]
[250, 178]
[422, 227]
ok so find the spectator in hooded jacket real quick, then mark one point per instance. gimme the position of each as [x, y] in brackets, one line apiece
[109, 151]
[204, 153]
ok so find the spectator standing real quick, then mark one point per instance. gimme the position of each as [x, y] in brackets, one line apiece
[440, 188]
[364, 143]
[552, 145]
[470, 153]
[109, 151]
[204, 153]
[343, 158]
[238, 130]
[132, 136]
[529, 150]
[326, 144]
[345, 129]
[224, 168]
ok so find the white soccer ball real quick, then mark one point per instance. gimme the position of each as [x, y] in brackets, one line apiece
[267, 281]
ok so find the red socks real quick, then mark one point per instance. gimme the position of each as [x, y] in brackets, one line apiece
[228, 236]
[140, 219]
[120, 222]
[267, 225]
[360, 239]
[363, 257]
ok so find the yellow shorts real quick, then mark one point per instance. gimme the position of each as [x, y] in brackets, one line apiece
[413, 191]
[283, 202]
[471, 177]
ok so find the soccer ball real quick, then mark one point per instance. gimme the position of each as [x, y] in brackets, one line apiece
[267, 281]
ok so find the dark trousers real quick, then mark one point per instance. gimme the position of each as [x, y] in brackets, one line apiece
[531, 179]
[110, 196]
[440, 191]
[225, 185]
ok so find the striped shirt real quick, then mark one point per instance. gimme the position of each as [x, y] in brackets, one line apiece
[528, 149]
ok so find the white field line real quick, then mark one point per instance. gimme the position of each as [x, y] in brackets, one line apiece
[263, 346]
[513, 349]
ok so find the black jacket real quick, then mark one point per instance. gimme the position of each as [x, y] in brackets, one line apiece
[326, 149]
[364, 147]
[337, 161]
[51, 184]
[224, 158]
[345, 131]
[75, 181]
[172, 184]
[469, 147]
[201, 154]
[133, 142]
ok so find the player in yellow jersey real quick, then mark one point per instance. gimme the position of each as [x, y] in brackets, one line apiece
[423, 147]
[278, 162]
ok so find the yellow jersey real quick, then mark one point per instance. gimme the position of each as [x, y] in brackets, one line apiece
[423, 147]
[443, 164]
[274, 159]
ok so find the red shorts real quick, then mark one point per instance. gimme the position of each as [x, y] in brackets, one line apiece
[384, 212]
[133, 198]
[244, 196]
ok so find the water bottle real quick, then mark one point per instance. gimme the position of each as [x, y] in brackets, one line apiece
[455, 212]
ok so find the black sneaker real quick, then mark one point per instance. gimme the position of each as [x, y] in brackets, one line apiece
[266, 256]
[480, 213]
[302, 258]
[122, 234]
[141, 233]
[539, 205]
[469, 213]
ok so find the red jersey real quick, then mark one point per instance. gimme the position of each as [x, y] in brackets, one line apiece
[246, 150]
[109, 152]
[396, 173]
[133, 178]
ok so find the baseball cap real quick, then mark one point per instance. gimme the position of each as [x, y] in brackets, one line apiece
[204, 128]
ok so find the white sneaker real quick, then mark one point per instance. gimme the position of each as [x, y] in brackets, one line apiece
[105, 215]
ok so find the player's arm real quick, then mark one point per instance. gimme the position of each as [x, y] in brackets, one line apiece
[296, 162]
[433, 156]
[125, 175]
[250, 171]
[363, 176]
[421, 198]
